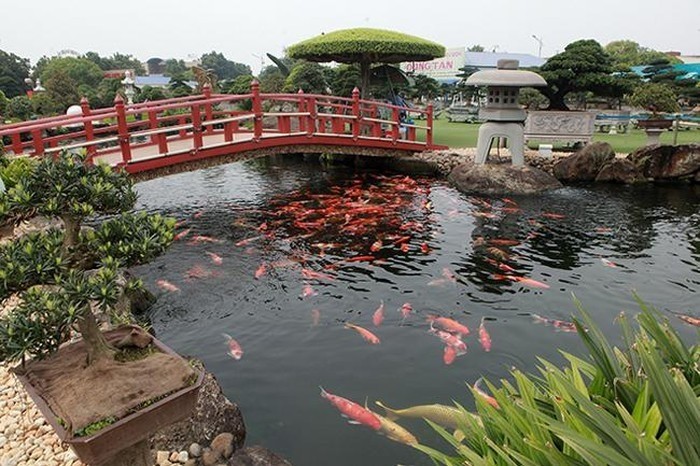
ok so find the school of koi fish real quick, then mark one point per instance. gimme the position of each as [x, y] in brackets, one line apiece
[362, 223]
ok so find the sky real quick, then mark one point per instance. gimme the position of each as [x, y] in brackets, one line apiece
[244, 30]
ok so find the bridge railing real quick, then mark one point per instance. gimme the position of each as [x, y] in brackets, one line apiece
[207, 120]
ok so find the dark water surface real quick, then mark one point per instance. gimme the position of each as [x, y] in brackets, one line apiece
[651, 232]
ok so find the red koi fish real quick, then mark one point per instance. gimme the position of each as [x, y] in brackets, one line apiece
[562, 325]
[608, 263]
[368, 336]
[198, 214]
[167, 286]
[315, 317]
[215, 258]
[203, 239]
[510, 201]
[361, 259]
[376, 246]
[308, 291]
[449, 355]
[247, 241]
[234, 349]
[424, 248]
[500, 265]
[488, 398]
[378, 316]
[553, 215]
[197, 271]
[484, 337]
[262, 270]
[182, 234]
[180, 223]
[447, 324]
[405, 310]
[351, 410]
[311, 275]
[404, 247]
[450, 340]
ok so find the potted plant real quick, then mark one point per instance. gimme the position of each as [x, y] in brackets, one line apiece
[656, 98]
[102, 391]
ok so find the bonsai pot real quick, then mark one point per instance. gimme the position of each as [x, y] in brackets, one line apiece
[105, 444]
[655, 123]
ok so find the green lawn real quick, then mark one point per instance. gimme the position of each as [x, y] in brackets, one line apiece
[465, 134]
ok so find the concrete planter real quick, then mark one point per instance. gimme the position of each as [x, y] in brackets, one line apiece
[104, 445]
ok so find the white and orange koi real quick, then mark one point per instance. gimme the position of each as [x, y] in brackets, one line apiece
[484, 337]
[234, 348]
[182, 234]
[215, 258]
[166, 285]
[488, 398]
[608, 262]
[378, 316]
[447, 324]
[260, 271]
[450, 339]
[406, 310]
[308, 291]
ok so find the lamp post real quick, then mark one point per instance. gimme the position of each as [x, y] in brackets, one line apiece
[129, 91]
[539, 41]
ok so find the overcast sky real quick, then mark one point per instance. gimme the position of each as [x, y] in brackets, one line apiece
[241, 29]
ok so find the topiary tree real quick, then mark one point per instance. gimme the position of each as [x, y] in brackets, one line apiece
[78, 271]
[655, 97]
[308, 77]
[366, 46]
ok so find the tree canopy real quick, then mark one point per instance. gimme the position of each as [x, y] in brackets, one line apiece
[13, 71]
[628, 53]
[223, 67]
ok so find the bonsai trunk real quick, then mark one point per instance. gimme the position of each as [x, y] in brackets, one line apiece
[95, 343]
[364, 83]
[71, 227]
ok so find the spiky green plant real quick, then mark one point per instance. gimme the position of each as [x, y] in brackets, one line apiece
[631, 406]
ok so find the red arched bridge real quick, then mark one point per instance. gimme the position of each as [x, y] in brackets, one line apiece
[152, 136]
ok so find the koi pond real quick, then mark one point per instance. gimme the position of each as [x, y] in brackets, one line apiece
[274, 257]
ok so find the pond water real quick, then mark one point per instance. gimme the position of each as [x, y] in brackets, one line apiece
[295, 225]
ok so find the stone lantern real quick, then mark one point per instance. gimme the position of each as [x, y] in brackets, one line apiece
[503, 116]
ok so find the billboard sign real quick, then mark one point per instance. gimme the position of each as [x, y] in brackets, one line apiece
[442, 69]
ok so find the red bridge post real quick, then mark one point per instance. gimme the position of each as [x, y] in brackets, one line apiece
[89, 130]
[429, 124]
[257, 110]
[356, 113]
[37, 141]
[301, 108]
[197, 140]
[122, 130]
[395, 130]
[311, 108]
[208, 113]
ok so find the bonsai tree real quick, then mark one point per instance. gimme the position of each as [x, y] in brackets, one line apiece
[366, 46]
[64, 275]
[655, 98]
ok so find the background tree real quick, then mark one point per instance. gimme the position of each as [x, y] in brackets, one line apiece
[425, 87]
[118, 61]
[20, 107]
[44, 105]
[151, 93]
[4, 102]
[476, 48]
[583, 66]
[655, 97]
[62, 89]
[628, 53]
[80, 70]
[662, 71]
[240, 85]
[344, 79]
[308, 77]
[178, 86]
[175, 67]
[13, 71]
[224, 68]
[271, 79]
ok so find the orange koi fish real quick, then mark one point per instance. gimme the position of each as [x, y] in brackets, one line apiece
[404, 247]
[488, 398]
[553, 215]
[247, 241]
[361, 259]
[234, 349]
[447, 324]
[180, 223]
[368, 336]
[351, 410]
[215, 258]
[197, 271]
[607, 262]
[449, 355]
[688, 319]
[484, 337]
[503, 242]
[510, 201]
[378, 316]
[182, 234]
[488, 215]
[312, 274]
[167, 286]
[500, 265]
[203, 239]
[529, 282]
[424, 248]
[262, 270]
[376, 246]
[405, 310]
[308, 291]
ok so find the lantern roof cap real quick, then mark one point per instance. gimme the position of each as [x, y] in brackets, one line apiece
[506, 74]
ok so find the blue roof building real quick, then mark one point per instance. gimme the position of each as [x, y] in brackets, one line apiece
[157, 80]
[691, 70]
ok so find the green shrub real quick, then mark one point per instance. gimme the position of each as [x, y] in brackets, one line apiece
[655, 97]
[16, 169]
[631, 406]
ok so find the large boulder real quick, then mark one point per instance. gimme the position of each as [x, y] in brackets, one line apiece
[213, 414]
[666, 162]
[257, 456]
[620, 171]
[501, 178]
[585, 164]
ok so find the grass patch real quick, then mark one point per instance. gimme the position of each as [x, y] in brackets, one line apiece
[132, 353]
[95, 427]
[465, 135]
